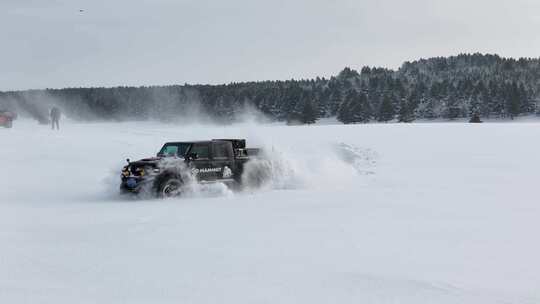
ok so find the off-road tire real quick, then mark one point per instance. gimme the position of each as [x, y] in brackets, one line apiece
[169, 187]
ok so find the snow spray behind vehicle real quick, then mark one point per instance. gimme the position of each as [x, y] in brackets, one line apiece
[337, 165]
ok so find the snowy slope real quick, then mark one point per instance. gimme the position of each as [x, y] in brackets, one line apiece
[420, 213]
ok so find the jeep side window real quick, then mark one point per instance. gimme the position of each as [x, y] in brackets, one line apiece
[174, 149]
[170, 150]
[201, 151]
[221, 151]
[182, 149]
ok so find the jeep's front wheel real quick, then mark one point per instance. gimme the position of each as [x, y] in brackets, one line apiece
[170, 188]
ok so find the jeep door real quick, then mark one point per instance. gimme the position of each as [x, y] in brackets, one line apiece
[201, 166]
[222, 156]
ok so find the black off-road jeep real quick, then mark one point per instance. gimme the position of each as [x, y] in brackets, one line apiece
[217, 160]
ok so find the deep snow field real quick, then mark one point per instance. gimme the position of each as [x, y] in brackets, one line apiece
[383, 213]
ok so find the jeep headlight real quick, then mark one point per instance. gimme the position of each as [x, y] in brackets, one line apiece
[140, 171]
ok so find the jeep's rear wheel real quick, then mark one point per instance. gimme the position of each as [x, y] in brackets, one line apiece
[170, 188]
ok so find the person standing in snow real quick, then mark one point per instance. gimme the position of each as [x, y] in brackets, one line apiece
[55, 118]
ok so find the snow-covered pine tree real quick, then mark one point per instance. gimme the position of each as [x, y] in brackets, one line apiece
[386, 110]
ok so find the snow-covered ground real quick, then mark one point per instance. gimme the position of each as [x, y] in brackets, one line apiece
[385, 213]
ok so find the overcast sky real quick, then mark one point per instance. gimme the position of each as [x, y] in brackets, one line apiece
[51, 44]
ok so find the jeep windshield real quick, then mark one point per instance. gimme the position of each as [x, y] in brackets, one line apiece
[174, 149]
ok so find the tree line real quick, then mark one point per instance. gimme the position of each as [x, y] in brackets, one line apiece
[436, 88]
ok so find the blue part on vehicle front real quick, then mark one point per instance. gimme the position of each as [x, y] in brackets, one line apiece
[131, 183]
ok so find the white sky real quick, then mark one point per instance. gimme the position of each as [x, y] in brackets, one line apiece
[49, 43]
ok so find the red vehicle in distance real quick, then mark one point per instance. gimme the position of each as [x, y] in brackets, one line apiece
[7, 118]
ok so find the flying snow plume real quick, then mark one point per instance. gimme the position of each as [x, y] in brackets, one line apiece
[337, 166]
[273, 170]
[363, 160]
